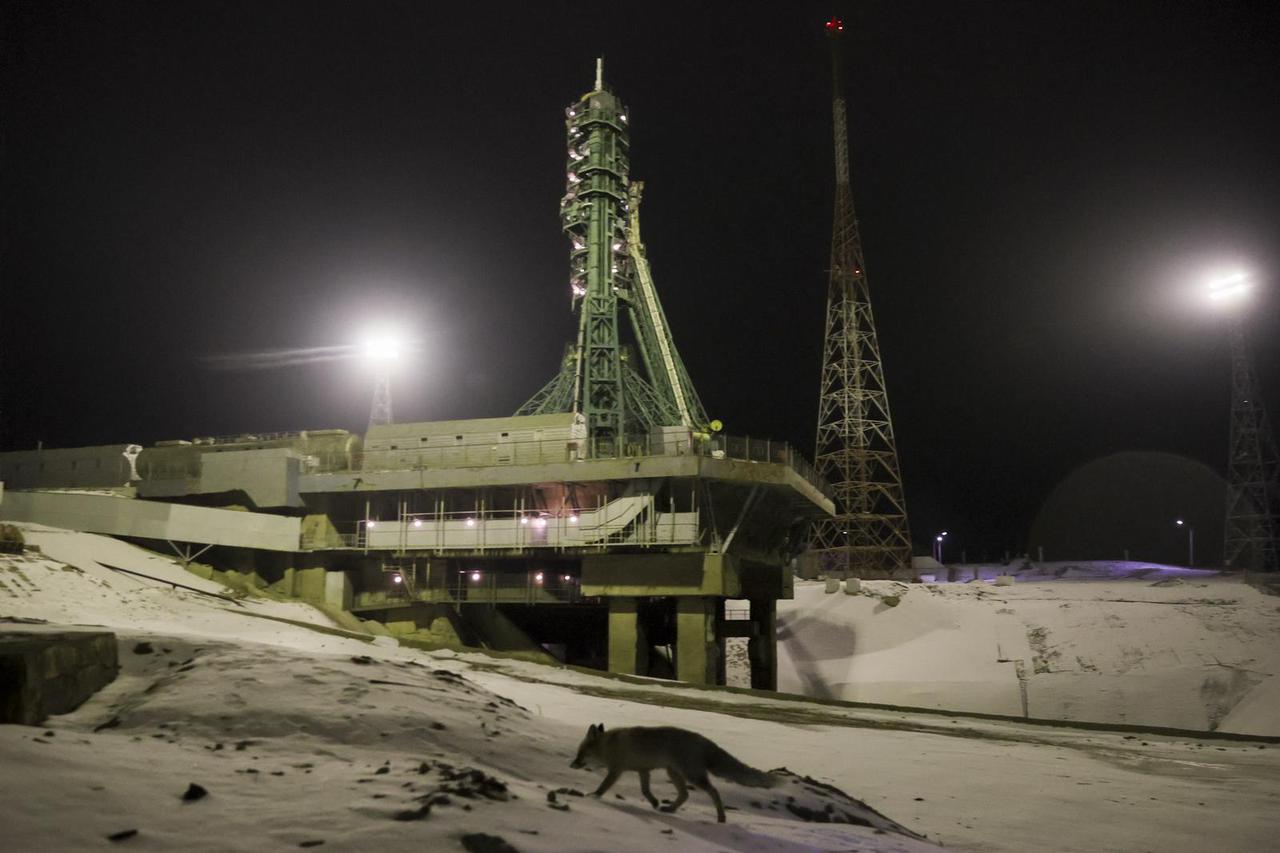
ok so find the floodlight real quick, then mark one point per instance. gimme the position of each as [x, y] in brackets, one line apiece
[1230, 289]
[383, 348]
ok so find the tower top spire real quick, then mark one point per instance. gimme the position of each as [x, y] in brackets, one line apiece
[600, 74]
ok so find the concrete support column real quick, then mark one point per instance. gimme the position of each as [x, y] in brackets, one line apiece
[337, 590]
[699, 654]
[628, 648]
[762, 648]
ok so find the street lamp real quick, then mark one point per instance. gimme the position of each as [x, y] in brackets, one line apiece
[1191, 542]
[937, 545]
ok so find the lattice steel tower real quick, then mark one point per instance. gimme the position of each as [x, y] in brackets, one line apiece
[380, 410]
[856, 451]
[1253, 468]
[609, 275]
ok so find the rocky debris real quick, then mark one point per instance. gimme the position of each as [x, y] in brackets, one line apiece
[413, 814]
[844, 809]
[553, 798]
[448, 675]
[143, 648]
[315, 843]
[122, 835]
[472, 784]
[479, 842]
[361, 659]
[194, 792]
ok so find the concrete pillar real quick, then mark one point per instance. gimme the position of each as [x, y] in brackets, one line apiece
[762, 648]
[628, 648]
[699, 655]
[337, 590]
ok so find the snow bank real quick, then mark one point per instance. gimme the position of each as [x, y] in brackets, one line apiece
[1098, 642]
[301, 737]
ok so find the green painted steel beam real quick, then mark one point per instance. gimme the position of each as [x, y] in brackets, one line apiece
[608, 272]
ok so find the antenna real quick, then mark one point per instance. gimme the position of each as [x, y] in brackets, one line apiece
[600, 74]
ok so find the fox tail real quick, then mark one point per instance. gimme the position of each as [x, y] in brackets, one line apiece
[724, 765]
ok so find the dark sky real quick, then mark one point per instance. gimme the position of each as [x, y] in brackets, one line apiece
[1039, 186]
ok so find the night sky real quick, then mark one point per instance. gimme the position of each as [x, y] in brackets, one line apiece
[1040, 188]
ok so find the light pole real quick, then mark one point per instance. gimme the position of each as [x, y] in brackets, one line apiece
[937, 546]
[382, 353]
[1252, 538]
[1191, 542]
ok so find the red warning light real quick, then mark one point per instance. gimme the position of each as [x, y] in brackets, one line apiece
[835, 25]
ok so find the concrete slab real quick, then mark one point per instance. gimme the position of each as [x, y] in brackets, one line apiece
[48, 670]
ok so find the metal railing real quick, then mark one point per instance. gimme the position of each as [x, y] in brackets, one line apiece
[630, 521]
[476, 454]
[476, 586]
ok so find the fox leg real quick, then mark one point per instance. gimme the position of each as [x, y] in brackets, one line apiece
[705, 784]
[644, 789]
[682, 790]
[607, 783]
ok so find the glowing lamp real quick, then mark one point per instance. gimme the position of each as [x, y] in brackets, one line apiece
[540, 523]
[537, 578]
[1229, 290]
[370, 524]
[396, 579]
[475, 576]
[383, 349]
[471, 522]
[524, 519]
[573, 519]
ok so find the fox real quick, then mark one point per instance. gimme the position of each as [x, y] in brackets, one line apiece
[686, 756]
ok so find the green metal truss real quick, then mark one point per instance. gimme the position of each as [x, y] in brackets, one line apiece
[607, 269]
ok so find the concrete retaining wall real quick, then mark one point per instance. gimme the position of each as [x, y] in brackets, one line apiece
[44, 672]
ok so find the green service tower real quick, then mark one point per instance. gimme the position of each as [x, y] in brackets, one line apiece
[622, 401]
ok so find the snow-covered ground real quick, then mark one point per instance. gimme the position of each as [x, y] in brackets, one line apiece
[1097, 642]
[303, 736]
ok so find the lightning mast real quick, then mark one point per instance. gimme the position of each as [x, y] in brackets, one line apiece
[855, 448]
[608, 275]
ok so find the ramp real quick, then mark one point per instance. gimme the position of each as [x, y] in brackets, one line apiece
[120, 516]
